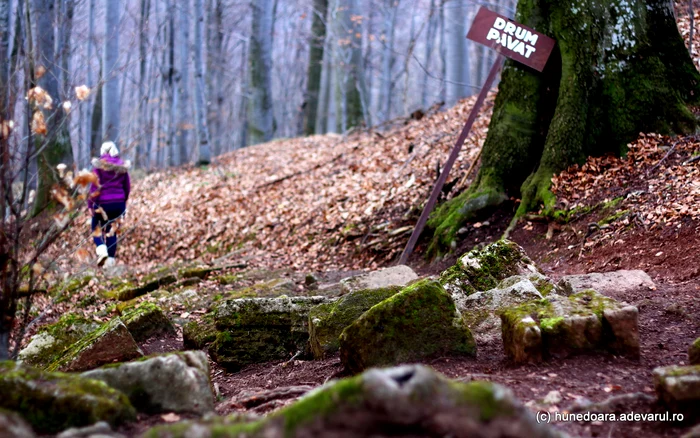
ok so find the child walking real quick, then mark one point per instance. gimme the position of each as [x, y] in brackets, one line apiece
[107, 201]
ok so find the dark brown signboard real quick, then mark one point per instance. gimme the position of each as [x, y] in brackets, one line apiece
[511, 39]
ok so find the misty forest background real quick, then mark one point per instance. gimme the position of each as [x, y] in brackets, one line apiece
[175, 82]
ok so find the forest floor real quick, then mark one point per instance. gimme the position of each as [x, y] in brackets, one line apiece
[332, 203]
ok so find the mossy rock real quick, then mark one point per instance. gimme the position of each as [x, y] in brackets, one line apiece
[110, 343]
[678, 387]
[171, 382]
[199, 334]
[228, 279]
[414, 400]
[560, 326]
[54, 339]
[482, 269]
[480, 310]
[12, 425]
[146, 320]
[254, 330]
[694, 352]
[200, 272]
[52, 402]
[70, 286]
[417, 323]
[327, 321]
[266, 289]
[128, 290]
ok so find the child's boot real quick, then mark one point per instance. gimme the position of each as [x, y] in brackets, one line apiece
[102, 254]
[111, 261]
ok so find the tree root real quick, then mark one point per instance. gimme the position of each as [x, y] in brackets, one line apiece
[453, 214]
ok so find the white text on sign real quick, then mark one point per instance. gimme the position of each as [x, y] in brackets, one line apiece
[513, 37]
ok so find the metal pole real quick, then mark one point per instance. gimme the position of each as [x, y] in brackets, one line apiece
[497, 64]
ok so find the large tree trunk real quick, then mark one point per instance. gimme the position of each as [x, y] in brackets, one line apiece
[316, 56]
[110, 89]
[260, 115]
[55, 144]
[621, 68]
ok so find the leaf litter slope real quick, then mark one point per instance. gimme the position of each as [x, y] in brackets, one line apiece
[317, 203]
[331, 202]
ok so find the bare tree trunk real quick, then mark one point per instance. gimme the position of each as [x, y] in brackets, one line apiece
[173, 152]
[324, 95]
[389, 17]
[204, 154]
[56, 142]
[183, 128]
[691, 14]
[260, 112]
[315, 67]
[143, 94]
[443, 52]
[457, 60]
[64, 48]
[427, 56]
[110, 54]
[215, 74]
[86, 108]
[5, 67]
[348, 65]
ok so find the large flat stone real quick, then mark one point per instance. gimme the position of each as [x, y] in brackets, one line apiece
[177, 382]
[399, 275]
[611, 284]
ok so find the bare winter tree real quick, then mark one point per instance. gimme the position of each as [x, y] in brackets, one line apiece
[110, 55]
[351, 97]
[58, 150]
[457, 62]
[314, 69]
[204, 154]
[260, 115]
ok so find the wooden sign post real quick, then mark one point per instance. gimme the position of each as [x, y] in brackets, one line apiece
[508, 38]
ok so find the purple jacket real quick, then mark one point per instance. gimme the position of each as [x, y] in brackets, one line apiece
[115, 184]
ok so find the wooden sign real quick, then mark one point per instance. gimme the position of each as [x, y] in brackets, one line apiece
[511, 39]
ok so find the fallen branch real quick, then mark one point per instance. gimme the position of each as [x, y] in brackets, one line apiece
[275, 394]
[656, 166]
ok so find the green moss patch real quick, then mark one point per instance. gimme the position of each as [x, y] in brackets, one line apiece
[52, 402]
[54, 339]
[111, 342]
[327, 321]
[419, 322]
[146, 320]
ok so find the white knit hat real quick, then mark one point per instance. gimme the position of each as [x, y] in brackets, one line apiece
[110, 148]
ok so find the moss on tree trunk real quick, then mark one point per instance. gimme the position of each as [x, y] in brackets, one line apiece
[620, 67]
